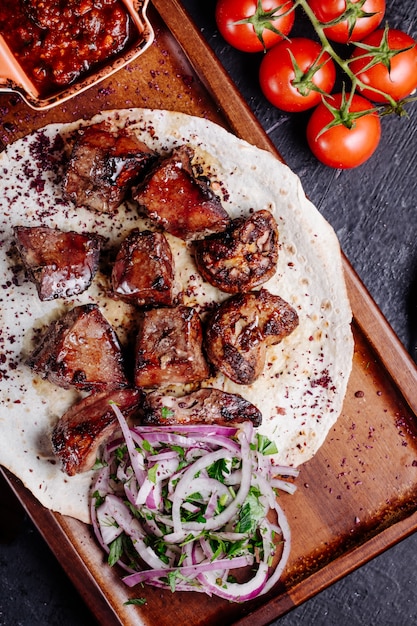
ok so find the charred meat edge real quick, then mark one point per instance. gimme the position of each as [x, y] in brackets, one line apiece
[143, 272]
[88, 424]
[242, 257]
[169, 348]
[80, 350]
[60, 264]
[179, 202]
[240, 330]
[205, 406]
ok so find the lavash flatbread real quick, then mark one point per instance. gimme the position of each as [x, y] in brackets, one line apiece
[302, 388]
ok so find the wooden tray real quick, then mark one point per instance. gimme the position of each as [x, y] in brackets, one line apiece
[358, 495]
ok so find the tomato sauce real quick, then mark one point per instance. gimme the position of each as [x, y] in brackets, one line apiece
[58, 41]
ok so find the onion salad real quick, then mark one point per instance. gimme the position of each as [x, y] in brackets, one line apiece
[193, 508]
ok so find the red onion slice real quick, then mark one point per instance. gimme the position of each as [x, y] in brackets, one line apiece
[192, 501]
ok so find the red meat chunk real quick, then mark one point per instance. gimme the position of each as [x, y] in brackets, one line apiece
[103, 166]
[240, 330]
[86, 425]
[177, 201]
[204, 406]
[168, 348]
[242, 257]
[80, 350]
[61, 264]
[143, 272]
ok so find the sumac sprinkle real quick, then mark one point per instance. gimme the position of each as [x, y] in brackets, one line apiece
[58, 41]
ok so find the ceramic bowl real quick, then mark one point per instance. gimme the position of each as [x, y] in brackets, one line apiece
[14, 79]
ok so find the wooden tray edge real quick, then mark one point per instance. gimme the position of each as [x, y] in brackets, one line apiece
[333, 572]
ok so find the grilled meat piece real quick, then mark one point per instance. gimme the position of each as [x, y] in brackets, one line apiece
[80, 350]
[242, 257]
[61, 264]
[205, 406]
[177, 201]
[103, 166]
[241, 329]
[169, 348]
[143, 272]
[88, 424]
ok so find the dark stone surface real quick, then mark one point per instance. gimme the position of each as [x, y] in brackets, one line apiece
[34, 589]
[373, 210]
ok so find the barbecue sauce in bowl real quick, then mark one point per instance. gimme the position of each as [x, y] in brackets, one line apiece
[58, 42]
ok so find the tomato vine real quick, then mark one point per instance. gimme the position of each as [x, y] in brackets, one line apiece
[299, 73]
[344, 64]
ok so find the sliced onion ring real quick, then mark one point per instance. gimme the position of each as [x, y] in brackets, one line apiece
[183, 510]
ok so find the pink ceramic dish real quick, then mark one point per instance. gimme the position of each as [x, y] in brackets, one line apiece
[14, 79]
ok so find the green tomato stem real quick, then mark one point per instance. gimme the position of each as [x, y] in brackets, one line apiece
[344, 65]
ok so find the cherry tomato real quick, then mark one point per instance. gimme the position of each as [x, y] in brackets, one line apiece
[286, 74]
[396, 74]
[262, 31]
[340, 146]
[328, 10]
